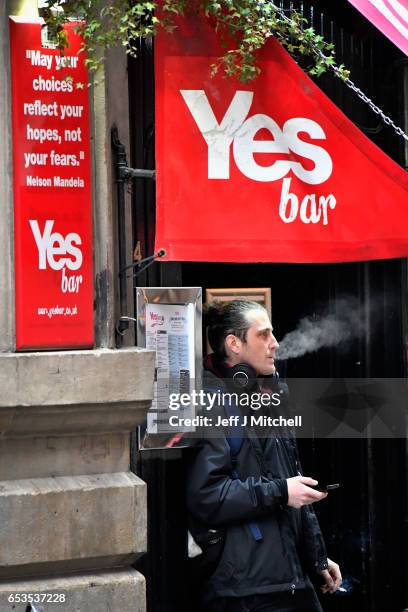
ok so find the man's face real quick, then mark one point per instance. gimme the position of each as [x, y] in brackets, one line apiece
[259, 349]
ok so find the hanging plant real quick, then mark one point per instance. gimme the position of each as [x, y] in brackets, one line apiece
[247, 24]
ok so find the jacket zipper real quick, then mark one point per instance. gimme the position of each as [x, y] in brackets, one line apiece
[296, 577]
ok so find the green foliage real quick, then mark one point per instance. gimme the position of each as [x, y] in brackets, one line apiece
[242, 25]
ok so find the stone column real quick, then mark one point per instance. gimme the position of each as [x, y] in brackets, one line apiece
[7, 324]
[72, 515]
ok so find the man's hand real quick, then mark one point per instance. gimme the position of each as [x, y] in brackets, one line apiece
[332, 577]
[300, 494]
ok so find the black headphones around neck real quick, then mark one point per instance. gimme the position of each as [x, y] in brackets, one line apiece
[244, 377]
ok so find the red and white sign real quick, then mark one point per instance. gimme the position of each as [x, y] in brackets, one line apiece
[52, 192]
[271, 171]
[389, 16]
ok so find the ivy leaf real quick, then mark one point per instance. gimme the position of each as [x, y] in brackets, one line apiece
[247, 24]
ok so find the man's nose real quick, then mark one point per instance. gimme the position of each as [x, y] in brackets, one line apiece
[274, 342]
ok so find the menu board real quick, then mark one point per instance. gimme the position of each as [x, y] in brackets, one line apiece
[170, 332]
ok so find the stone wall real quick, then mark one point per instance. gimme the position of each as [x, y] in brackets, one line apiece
[71, 511]
[72, 515]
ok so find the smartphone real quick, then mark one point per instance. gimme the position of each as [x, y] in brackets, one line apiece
[324, 488]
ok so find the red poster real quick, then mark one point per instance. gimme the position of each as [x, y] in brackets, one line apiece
[271, 171]
[52, 192]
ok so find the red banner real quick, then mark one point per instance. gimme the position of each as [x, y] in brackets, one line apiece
[268, 172]
[389, 16]
[52, 192]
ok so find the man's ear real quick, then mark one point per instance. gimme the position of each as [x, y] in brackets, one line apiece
[233, 344]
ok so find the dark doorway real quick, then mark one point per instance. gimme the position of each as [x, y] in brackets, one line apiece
[365, 525]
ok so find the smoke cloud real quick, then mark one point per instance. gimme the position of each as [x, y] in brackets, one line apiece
[326, 330]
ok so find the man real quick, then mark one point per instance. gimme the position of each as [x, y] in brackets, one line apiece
[254, 498]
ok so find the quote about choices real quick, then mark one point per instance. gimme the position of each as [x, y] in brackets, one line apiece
[53, 142]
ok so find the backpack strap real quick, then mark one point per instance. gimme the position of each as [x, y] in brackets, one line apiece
[235, 442]
[235, 445]
[236, 438]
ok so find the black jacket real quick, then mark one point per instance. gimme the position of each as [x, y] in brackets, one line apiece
[292, 543]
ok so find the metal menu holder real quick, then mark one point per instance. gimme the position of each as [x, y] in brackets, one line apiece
[169, 321]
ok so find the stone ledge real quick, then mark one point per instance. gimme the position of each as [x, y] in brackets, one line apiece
[105, 591]
[76, 377]
[74, 523]
[74, 392]
[77, 419]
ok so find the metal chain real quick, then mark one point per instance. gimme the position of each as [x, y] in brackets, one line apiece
[387, 120]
